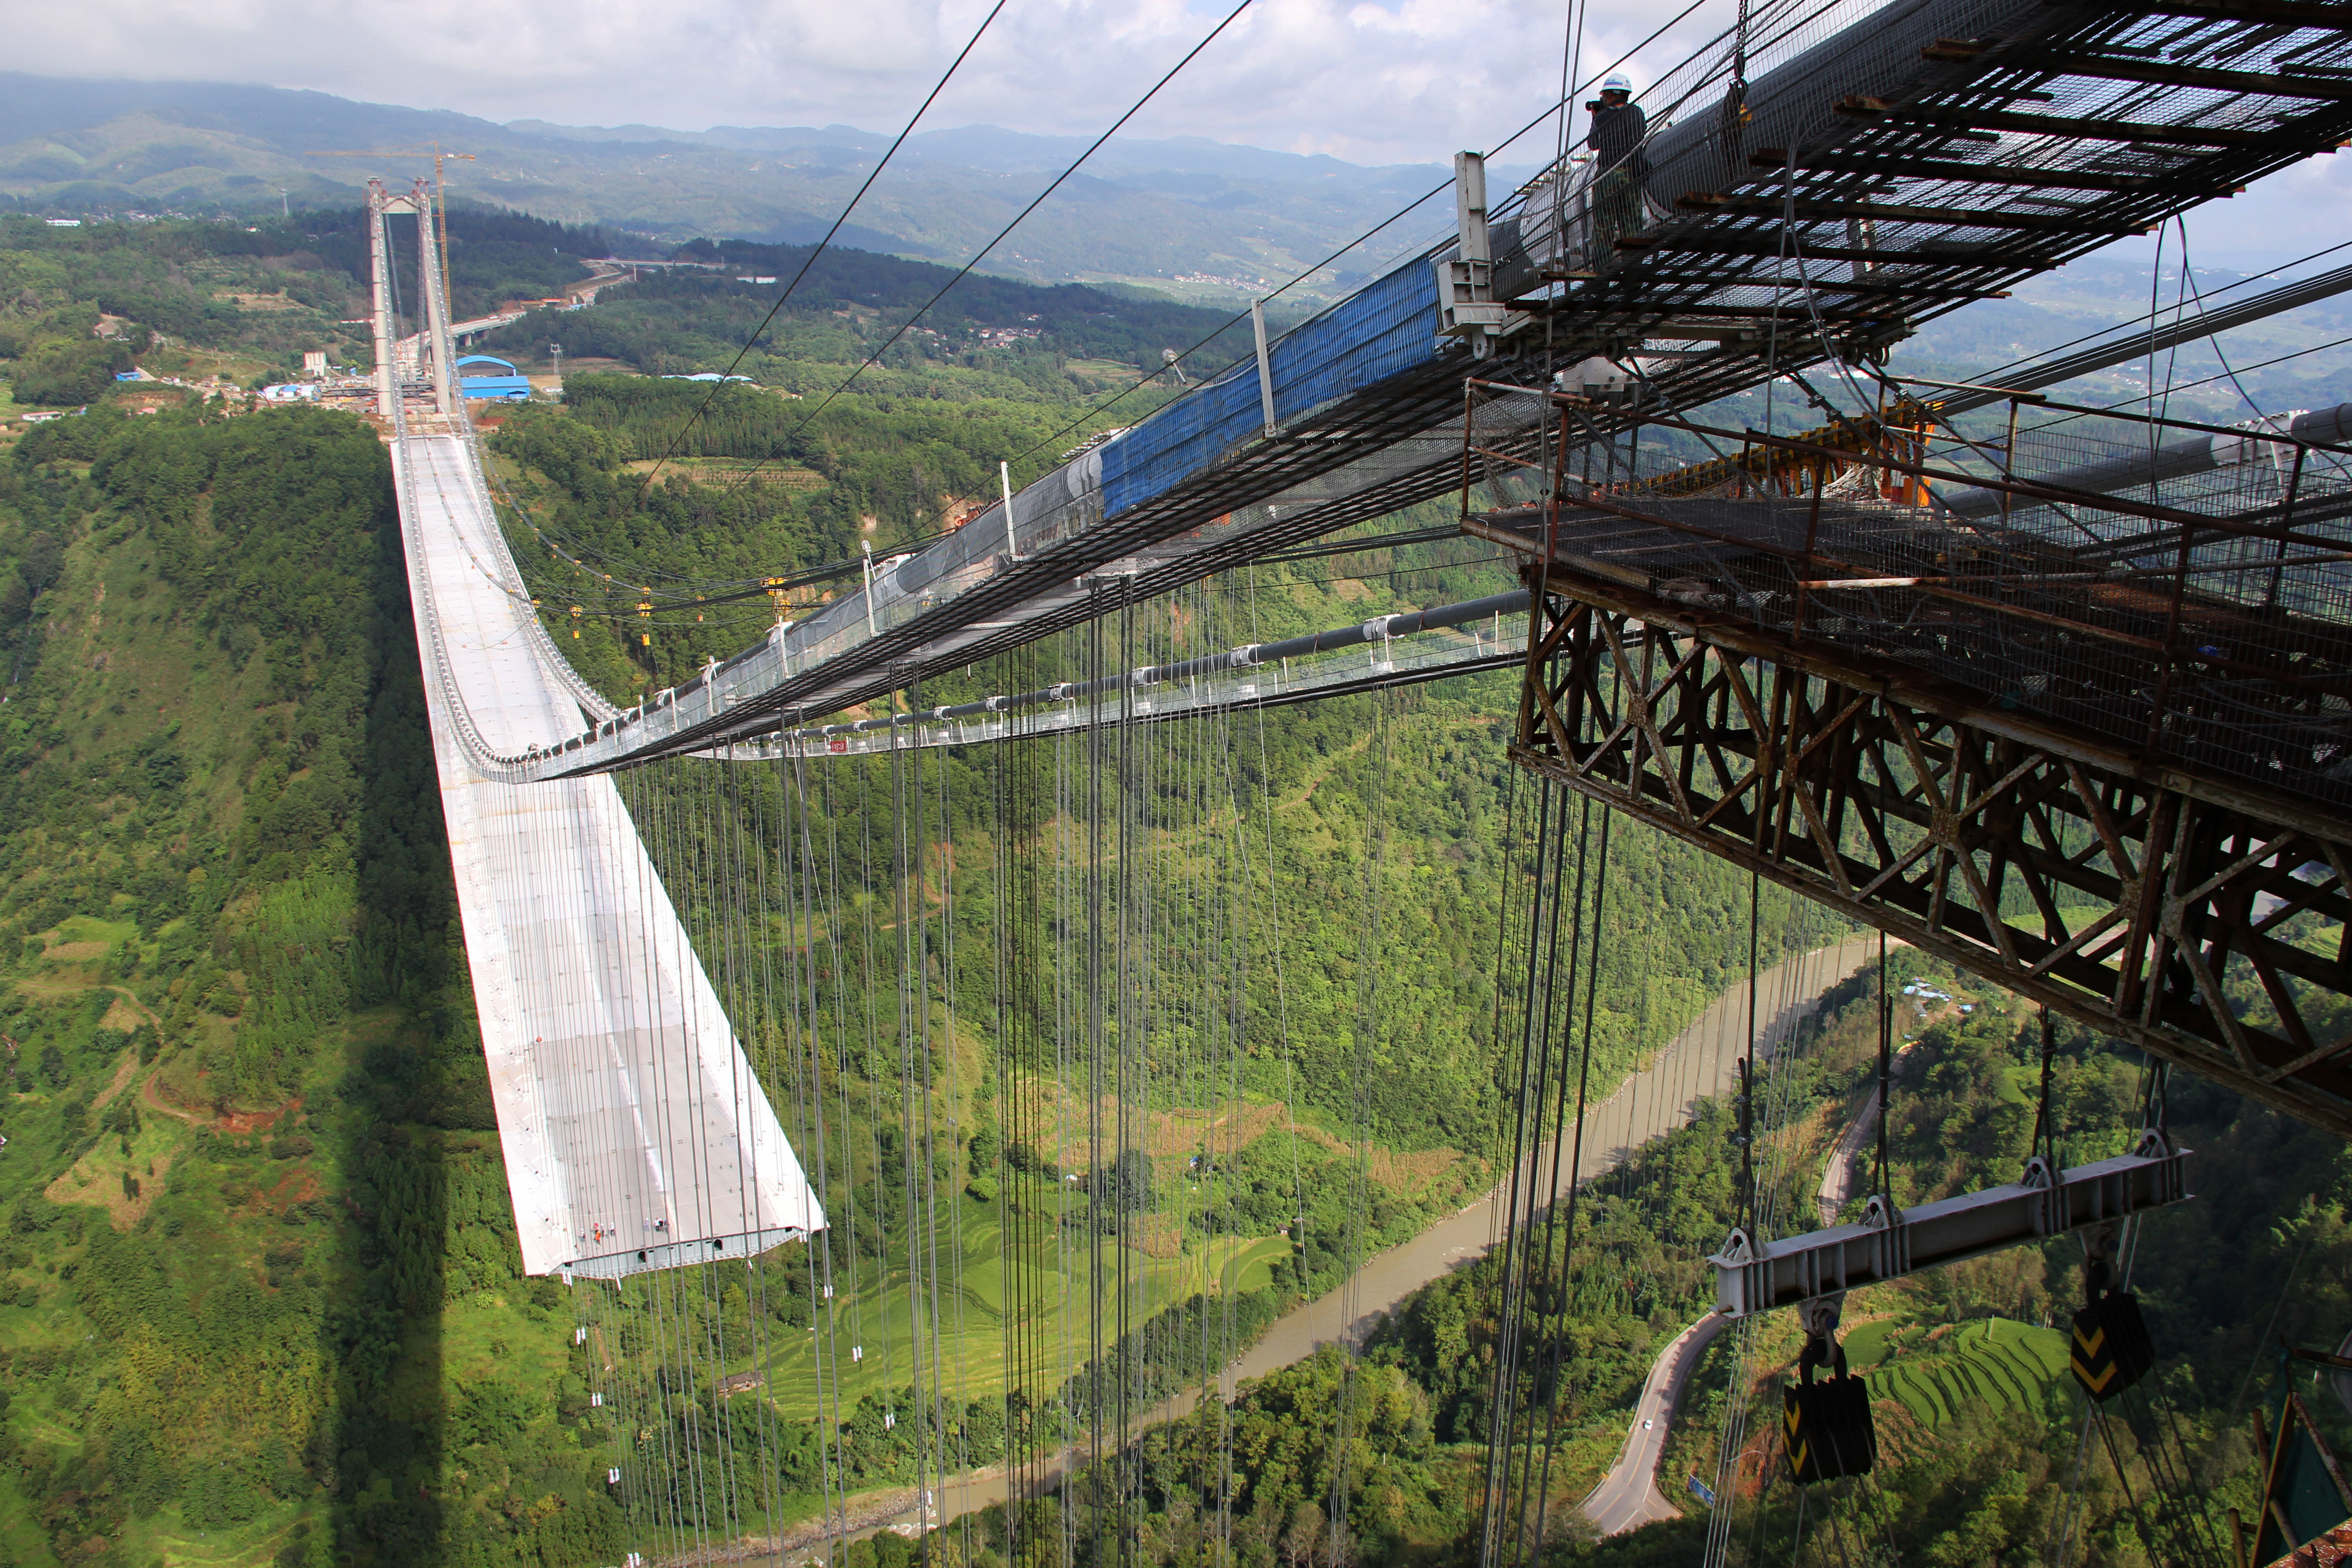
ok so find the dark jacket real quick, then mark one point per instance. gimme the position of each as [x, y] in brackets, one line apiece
[1616, 135]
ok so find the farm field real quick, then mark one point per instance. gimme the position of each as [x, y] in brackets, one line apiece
[2008, 1365]
[977, 1284]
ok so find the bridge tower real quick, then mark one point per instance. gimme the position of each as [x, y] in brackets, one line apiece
[433, 343]
[438, 345]
[387, 376]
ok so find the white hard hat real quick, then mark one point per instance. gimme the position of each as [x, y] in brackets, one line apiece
[1617, 81]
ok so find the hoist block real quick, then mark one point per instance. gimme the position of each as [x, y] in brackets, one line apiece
[2111, 1349]
[1827, 1429]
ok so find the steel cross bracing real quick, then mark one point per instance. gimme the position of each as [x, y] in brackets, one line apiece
[2094, 747]
[2205, 920]
[1914, 176]
[2204, 619]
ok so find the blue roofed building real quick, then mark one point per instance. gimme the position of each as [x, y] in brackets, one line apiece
[508, 386]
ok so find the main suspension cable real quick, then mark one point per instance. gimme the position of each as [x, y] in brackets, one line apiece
[809, 260]
[1034, 203]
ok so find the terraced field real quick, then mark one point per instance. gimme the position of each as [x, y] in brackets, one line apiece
[2008, 1365]
[880, 1314]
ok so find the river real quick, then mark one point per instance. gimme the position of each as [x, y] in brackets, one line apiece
[1700, 1061]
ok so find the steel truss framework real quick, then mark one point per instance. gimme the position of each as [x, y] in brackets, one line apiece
[1917, 188]
[2204, 921]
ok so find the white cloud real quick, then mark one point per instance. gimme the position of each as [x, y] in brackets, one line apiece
[1407, 81]
[1367, 80]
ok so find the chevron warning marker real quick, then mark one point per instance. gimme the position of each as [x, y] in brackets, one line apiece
[1828, 1429]
[2111, 1349]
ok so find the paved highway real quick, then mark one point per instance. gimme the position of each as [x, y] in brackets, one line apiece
[1628, 1496]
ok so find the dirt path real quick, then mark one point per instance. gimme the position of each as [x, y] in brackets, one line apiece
[1315, 779]
[123, 1071]
[148, 1096]
[861, 1516]
[1846, 1171]
[130, 1000]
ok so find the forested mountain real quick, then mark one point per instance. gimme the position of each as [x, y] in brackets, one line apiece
[262, 1263]
[192, 301]
[1989, 1454]
[1207, 220]
[675, 323]
[249, 1141]
[260, 1292]
[201, 301]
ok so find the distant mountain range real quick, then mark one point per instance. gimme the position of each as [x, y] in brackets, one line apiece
[1196, 218]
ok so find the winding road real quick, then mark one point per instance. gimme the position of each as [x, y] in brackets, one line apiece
[1628, 1496]
[1846, 1171]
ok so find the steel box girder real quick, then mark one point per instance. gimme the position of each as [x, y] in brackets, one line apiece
[2203, 921]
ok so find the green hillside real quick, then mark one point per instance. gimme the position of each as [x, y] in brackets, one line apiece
[249, 1147]
[260, 1294]
[206, 299]
[258, 1291]
[850, 302]
[2007, 1366]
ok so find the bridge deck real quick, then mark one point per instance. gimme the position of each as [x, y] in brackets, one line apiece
[636, 1135]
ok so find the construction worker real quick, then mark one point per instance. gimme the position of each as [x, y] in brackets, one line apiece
[1619, 129]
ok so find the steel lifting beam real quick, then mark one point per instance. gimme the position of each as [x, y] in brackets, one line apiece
[2078, 127]
[2186, 913]
[1890, 1243]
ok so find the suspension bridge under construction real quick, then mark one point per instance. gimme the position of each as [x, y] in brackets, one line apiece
[2068, 707]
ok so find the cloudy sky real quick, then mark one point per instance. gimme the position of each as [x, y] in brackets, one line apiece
[1411, 80]
[1367, 80]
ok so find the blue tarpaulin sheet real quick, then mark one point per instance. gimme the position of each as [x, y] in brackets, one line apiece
[1386, 327]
